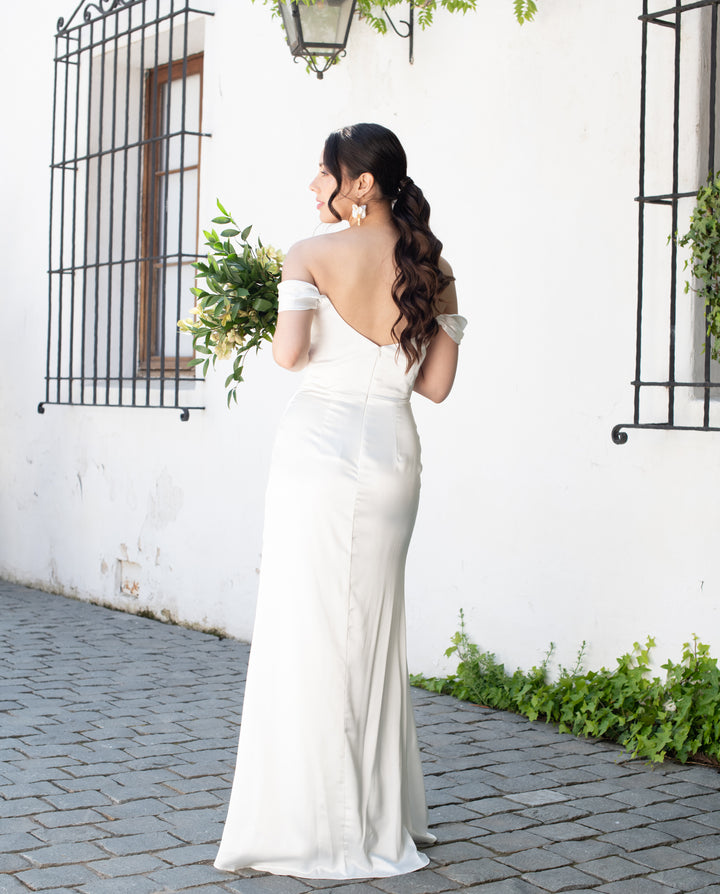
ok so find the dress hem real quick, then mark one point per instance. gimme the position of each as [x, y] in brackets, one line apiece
[275, 869]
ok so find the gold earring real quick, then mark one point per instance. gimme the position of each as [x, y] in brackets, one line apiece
[358, 214]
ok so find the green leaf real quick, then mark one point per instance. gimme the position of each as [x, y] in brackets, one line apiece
[653, 719]
[240, 296]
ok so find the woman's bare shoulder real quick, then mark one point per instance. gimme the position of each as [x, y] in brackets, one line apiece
[309, 255]
[315, 246]
[300, 259]
[295, 265]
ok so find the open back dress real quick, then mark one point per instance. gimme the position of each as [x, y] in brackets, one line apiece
[328, 782]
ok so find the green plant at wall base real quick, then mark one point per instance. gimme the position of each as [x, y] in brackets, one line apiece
[703, 237]
[678, 718]
[237, 309]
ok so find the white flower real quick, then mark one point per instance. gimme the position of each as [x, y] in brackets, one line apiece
[271, 258]
[223, 348]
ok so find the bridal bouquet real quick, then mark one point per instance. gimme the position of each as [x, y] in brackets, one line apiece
[237, 309]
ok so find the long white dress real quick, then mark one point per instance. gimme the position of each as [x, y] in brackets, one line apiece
[328, 782]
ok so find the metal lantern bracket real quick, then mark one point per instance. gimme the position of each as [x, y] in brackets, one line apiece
[409, 25]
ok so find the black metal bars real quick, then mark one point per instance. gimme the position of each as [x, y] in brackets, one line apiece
[703, 386]
[127, 131]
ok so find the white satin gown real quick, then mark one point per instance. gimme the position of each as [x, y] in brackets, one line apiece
[328, 782]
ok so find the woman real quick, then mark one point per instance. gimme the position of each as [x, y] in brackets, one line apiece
[328, 781]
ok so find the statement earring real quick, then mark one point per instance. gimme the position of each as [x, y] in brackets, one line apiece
[358, 214]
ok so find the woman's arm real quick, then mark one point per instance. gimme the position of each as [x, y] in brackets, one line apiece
[291, 342]
[437, 373]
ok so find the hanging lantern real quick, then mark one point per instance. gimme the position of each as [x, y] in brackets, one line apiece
[317, 32]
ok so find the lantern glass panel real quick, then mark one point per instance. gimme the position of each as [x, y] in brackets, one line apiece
[290, 23]
[325, 24]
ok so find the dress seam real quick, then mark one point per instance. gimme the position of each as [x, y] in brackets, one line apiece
[347, 610]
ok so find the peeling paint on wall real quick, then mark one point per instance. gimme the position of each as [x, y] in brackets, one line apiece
[129, 574]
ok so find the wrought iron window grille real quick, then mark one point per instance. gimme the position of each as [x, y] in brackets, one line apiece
[686, 386]
[126, 147]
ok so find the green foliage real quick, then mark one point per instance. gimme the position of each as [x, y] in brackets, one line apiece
[677, 718]
[372, 10]
[524, 10]
[237, 310]
[703, 237]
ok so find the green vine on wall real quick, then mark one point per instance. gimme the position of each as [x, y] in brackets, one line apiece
[371, 10]
[703, 237]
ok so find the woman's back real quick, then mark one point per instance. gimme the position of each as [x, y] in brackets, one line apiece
[355, 269]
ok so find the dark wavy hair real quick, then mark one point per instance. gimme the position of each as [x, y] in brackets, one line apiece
[374, 149]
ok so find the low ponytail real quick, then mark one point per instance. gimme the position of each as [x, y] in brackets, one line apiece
[419, 278]
[349, 152]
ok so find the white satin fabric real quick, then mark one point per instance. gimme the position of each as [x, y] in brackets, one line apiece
[328, 782]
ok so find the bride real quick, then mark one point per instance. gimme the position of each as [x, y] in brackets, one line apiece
[328, 782]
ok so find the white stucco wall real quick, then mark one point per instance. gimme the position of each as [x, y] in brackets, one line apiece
[525, 141]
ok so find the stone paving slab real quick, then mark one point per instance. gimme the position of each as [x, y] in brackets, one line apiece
[116, 757]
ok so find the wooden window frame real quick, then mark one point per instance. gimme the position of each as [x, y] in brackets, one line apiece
[155, 138]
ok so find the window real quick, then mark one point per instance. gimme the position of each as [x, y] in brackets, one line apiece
[169, 216]
[676, 384]
[126, 154]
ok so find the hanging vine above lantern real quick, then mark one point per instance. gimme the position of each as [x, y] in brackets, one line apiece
[371, 10]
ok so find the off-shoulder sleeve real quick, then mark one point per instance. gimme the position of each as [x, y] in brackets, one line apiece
[294, 294]
[453, 324]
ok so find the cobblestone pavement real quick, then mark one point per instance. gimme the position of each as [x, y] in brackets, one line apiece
[118, 743]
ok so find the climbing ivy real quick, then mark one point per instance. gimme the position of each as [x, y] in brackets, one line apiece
[703, 237]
